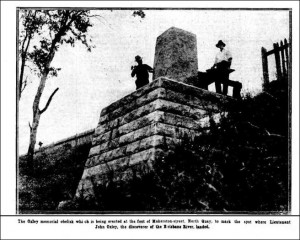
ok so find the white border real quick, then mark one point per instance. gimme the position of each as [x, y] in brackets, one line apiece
[10, 228]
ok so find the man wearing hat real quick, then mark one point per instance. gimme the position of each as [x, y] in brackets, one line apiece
[141, 72]
[222, 66]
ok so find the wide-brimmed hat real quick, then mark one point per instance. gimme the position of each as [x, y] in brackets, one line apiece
[137, 58]
[220, 43]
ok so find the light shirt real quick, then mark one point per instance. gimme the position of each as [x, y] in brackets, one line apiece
[223, 56]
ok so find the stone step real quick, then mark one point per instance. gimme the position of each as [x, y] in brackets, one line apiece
[129, 127]
[135, 135]
[122, 169]
[150, 154]
[169, 90]
[96, 158]
[157, 116]
[158, 104]
[152, 129]
[132, 97]
[205, 96]
[125, 108]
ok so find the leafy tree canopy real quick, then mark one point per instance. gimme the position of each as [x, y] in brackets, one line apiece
[51, 29]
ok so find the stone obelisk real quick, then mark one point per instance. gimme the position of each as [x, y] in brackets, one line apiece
[176, 56]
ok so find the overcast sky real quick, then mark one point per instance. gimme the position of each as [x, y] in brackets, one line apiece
[90, 81]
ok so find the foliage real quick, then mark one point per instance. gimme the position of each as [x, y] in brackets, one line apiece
[31, 26]
[51, 29]
[43, 32]
[139, 13]
[56, 176]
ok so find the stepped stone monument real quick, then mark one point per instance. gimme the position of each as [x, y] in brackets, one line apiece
[146, 125]
[176, 55]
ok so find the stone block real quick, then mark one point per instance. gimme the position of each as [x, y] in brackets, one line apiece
[122, 162]
[132, 97]
[124, 107]
[206, 97]
[129, 127]
[155, 128]
[176, 55]
[180, 109]
[127, 138]
[191, 100]
[163, 88]
[157, 116]
[158, 104]
[155, 141]
[129, 117]
[95, 158]
[176, 132]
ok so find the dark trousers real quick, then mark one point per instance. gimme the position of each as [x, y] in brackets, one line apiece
[222, 76]
[141, 83]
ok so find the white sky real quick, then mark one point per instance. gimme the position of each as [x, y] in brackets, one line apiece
[89, 81]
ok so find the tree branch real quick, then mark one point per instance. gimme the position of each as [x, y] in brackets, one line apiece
[270, 95]
[24, 84]
[266, 131]
[23, 57]
[23, 43]
[105, 22]
[49, 101]
[63, 29]
[273, 134]
[50, 34]
[28, 42]
[30, 68]
[29, 125]
[79, 13]
[252, 125]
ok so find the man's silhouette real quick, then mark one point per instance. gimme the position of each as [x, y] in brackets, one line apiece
[141, 72]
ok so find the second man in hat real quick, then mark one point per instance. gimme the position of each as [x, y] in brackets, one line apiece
[222, 65]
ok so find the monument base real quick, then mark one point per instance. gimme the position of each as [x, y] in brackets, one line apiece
[145, 126]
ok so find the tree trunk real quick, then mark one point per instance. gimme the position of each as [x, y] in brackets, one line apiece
[35, 120]
[23, 63]
[32, 141]
[21, 77]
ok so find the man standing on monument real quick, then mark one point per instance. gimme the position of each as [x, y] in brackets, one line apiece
[222, 66]
[141, 72]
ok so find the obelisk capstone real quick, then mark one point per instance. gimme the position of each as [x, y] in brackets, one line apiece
[176, 56]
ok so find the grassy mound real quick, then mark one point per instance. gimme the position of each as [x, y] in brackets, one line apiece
[55, 177]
